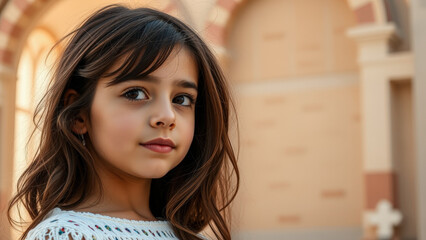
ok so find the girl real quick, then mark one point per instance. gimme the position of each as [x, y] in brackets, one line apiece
[134, 141]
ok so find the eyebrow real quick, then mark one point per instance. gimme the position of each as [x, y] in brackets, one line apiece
[179, 83]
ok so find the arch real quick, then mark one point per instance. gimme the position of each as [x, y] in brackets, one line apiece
[17, 19]
[366, 12]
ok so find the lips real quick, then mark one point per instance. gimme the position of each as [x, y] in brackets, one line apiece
[160, 145]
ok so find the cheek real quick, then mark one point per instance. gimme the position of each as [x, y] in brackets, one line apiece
[188, 131]
[113, 127]
[124, 123]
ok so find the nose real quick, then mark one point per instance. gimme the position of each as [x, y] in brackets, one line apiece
[163, 116]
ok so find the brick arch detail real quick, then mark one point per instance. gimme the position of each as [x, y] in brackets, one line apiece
[15, 22]
[366, 12]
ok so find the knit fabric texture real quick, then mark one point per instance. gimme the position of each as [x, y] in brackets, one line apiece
[65, 225]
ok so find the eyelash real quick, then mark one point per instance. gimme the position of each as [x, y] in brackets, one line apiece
[188, 95]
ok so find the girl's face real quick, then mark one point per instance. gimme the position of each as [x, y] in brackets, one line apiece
[144, 127]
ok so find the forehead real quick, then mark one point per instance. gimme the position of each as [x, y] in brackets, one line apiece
[179, 64]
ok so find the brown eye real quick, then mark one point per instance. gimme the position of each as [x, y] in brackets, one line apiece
[135, 94]
[183, 100]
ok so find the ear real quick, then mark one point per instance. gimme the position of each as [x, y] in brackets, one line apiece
[79, 124]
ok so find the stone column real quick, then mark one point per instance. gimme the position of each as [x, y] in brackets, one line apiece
[7, 127]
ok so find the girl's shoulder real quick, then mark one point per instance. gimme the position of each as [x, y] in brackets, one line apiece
[60, 224]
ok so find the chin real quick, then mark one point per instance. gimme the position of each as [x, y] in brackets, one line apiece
[157, 172]
[157, 175]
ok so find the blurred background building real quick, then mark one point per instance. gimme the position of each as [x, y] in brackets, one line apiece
[330, 95]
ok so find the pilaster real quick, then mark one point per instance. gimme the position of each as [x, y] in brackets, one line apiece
[378, 66]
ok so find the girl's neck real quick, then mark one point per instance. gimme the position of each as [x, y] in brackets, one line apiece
[122, 196]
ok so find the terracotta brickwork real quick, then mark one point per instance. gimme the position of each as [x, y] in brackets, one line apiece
[170, 7]
[379, 186]
[13, 22]
[6, 57]
[365, 14]
[216, 28]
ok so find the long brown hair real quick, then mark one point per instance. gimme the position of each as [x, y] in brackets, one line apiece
[191, 196]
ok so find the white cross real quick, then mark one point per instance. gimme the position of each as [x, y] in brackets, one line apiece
[385, 218]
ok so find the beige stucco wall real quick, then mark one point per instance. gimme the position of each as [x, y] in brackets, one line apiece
[298, 103]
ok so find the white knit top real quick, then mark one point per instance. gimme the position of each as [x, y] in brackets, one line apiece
[61, 225]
